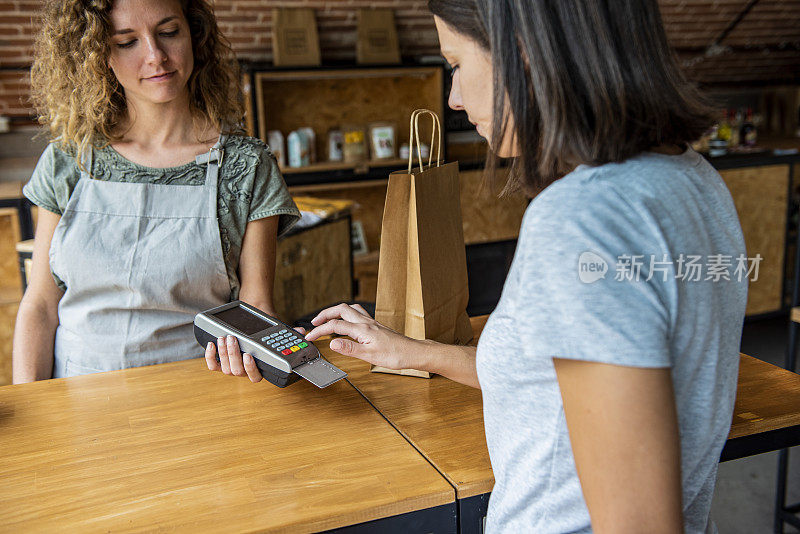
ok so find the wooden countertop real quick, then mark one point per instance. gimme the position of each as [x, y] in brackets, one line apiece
[176, 447]
[767, 398]
[444, 420]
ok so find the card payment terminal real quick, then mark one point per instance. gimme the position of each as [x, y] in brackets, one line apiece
[280, 352]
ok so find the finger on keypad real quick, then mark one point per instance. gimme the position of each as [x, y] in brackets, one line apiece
[285, 341]
[252, 369]
[222, 349]
[235, 356]
[336, 326]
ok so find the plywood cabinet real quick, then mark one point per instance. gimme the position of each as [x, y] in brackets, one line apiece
[761, 198]
[486, 216]
[313, 270]
[10, 287]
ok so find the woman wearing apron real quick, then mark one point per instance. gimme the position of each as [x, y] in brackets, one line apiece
[607, 391]
[152, 205]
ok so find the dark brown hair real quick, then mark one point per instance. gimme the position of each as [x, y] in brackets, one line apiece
[586, 81]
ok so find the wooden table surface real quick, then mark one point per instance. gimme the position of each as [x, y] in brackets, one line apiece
[444, 420]
[176, 447]
[767, 398]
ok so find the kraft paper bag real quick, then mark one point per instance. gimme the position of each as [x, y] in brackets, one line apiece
[295, 41]
[377, 37]
[422, 270]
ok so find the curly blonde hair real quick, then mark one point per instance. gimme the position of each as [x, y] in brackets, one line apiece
[77, 96]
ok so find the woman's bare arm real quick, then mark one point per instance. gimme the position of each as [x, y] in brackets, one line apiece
[37, 318]
[257, 277]
[257, 263]
[623, 428]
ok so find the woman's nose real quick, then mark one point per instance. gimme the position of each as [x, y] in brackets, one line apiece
[455, 101]
[155, 54]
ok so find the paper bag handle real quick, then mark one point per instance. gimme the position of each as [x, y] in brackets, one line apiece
[414, 133]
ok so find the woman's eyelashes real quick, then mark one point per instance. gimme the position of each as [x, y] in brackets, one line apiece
[453, 69]
[128, 44]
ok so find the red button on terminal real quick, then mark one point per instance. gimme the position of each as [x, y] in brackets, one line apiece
[286, 352]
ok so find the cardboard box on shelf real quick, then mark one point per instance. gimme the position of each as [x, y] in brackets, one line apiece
[295, 41]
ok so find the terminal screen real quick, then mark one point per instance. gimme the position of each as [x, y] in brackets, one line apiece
[243, 320]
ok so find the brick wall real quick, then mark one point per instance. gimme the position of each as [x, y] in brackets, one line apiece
[248, 23]
[764, 47]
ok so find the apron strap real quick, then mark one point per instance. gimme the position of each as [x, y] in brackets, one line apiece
[213, 160]
[214, 154]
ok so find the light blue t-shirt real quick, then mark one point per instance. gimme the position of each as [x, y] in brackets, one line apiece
[578, 288]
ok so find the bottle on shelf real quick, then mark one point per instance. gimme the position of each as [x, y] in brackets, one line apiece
[724, 130]
[716, 145]
[748, 134]
[736, 128]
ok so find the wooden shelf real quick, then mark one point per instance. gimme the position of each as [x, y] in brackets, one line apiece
[361, 167]
[333, 99]
[337, 186]
[348, 73]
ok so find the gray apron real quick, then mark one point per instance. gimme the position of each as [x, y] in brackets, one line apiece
[139, 261]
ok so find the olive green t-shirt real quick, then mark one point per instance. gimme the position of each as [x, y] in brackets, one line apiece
[250, 187]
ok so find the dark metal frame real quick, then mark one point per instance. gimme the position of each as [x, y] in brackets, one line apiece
[741, 161]
[439, 519]
[789, 209]
[26, 230]
[472, 513]
[21, 257]
[788, 513]
[762, 442]
[23, 207]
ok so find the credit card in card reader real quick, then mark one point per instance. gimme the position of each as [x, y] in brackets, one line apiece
[280, 352]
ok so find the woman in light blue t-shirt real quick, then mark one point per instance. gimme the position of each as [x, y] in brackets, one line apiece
[609, 367]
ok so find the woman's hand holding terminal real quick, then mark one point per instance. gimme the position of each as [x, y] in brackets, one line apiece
[231, 360]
